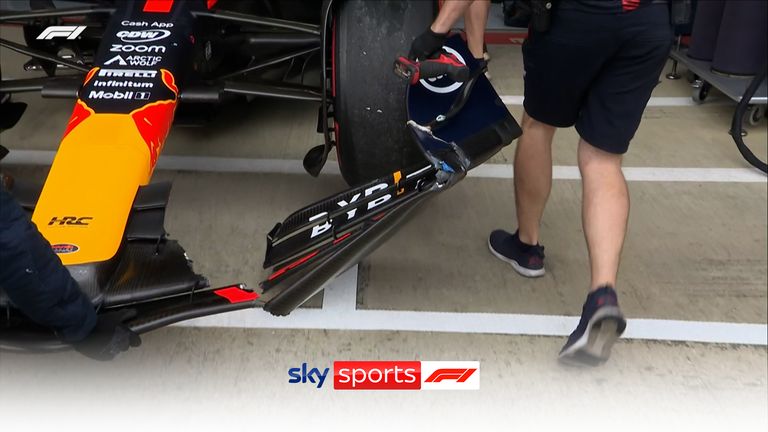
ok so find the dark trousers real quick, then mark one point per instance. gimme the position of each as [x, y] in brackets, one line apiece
[34, 278]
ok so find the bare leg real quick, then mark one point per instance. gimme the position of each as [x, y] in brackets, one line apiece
[475, 19]
[533, 176]
[451, 11]
[605, 210]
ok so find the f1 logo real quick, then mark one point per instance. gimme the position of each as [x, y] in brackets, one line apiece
[69, 32]
[458, 375]
[450, 375]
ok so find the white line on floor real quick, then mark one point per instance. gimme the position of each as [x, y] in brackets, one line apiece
[656, 101]
[512, 100]
[190, 163]
[340, 296]
[492, 171]
[339, 312]
[267, 166]
[645, 174]
[489, 323]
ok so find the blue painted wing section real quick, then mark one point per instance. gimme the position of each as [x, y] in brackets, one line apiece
[484, 111]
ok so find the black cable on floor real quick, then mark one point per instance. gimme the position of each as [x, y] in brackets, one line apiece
[738, 119]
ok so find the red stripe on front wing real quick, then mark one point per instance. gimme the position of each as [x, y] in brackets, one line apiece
[292, 265]
[235, 294]
[158, 6]
[342, 238]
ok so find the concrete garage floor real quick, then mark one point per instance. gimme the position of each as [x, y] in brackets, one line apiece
[695, 259]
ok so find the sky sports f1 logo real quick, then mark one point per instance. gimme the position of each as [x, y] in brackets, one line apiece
[305, 375]
[393, 375]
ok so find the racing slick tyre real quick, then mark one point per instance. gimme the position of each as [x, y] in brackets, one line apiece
[369, 100]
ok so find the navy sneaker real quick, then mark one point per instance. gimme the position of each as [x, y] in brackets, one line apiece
[601, 325]
[528, 260]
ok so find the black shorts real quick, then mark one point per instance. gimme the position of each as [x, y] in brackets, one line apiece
[597, 71]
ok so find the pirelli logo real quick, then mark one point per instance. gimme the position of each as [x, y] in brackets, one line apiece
[127, 73]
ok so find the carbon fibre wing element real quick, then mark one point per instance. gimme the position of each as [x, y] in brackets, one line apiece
[456, 126]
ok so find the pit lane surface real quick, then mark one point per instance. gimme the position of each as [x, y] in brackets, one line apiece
[695, 256]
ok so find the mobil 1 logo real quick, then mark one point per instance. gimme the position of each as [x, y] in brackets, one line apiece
[119, 95]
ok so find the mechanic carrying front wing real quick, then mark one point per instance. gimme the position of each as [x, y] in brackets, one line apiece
[592, 64]
[39, 285]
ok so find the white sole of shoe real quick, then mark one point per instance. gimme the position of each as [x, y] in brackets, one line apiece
[594, 346]
[522, 271]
